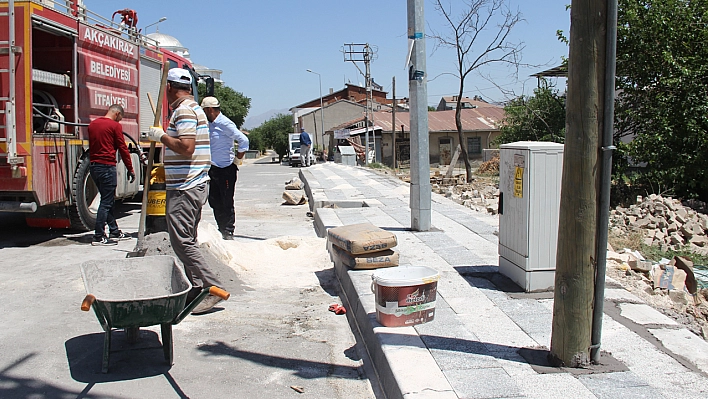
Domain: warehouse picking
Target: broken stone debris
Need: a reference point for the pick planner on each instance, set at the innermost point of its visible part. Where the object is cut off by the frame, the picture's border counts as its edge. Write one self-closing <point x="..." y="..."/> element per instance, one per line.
<point x="664" y="222"/>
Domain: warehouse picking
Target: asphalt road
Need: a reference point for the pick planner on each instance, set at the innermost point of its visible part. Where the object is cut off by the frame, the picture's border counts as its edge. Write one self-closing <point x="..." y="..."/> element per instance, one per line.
<point x="259" y="344"/>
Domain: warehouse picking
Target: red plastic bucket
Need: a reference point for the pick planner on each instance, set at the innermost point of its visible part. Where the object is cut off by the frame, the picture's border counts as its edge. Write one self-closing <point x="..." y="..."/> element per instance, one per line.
<point x="405" y="295"/>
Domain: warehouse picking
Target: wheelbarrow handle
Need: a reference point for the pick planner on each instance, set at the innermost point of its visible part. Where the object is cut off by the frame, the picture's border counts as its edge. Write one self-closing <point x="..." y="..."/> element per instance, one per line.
<point x="216" y="291"/>
<point x="87" y="302"/>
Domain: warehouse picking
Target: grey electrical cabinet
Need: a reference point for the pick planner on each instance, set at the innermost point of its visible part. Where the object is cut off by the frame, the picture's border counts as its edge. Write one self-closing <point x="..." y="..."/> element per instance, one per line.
<point x="529" y="184"/>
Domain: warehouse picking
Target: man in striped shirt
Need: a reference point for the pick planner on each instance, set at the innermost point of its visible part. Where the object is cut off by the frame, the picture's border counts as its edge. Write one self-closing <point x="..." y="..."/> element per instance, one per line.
<point x="187" y="161"/>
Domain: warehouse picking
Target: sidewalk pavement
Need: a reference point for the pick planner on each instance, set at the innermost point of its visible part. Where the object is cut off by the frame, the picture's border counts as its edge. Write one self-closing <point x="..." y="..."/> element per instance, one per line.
<point x="488" y="338"/>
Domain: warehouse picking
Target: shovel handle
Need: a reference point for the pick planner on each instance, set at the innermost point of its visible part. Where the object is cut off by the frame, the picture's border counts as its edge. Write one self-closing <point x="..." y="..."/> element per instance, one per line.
<point x="216" y="291"/>
<point x="88" y="301"/>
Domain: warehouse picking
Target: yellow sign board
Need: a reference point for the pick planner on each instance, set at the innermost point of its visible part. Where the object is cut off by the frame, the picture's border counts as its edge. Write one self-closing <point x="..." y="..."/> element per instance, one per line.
<point x="156" y="203"/>
<point x="519" y="182"/>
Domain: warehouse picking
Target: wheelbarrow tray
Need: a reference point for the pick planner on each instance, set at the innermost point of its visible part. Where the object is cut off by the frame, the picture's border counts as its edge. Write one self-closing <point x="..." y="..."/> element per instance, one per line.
<point x="136" y="292"/>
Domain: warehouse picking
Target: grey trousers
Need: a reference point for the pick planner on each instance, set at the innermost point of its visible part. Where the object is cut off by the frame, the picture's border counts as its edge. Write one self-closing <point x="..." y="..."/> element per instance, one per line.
<point x="305" y="155"/>
<point x="183" y="210"/>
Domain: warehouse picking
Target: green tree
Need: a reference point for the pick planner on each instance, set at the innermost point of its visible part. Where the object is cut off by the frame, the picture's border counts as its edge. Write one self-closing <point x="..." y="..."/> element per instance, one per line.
<point x="256" y="142"/>
<point x="540" y="117"/>
<point x="234" y="105"/>
<point x="274" y="133"/>
<point x="662" y="83"/>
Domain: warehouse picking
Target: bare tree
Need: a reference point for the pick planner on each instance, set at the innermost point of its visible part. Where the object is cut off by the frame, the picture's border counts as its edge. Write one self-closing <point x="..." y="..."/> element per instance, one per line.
<point x="479" y="34"/>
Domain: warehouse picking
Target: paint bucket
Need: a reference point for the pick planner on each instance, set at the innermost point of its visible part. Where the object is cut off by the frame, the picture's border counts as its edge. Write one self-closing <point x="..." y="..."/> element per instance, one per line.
<point x="405" y="295"/>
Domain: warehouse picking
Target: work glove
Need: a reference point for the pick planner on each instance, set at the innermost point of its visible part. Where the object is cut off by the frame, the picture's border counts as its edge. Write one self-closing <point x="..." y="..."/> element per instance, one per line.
<point x="155" y="133"/>
<point x="131" y="176"/>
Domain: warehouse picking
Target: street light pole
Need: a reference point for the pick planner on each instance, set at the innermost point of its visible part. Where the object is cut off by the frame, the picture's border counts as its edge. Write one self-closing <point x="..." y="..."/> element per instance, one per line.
<point x="163" y="19"/>
<point x="319" y="77"/>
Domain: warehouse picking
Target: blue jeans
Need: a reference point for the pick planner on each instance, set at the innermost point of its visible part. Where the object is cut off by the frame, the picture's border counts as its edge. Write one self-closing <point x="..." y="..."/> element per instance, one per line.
<point x="106" y="181"/>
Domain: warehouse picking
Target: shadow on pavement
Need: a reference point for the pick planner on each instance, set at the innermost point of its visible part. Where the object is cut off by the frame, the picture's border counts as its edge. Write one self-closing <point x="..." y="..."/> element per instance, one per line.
<point x="16" y="234"/>
<point x="127" y="362"/>
<point x="499" y="282"/>
<point x="303" y="368"/>
<point x="21" y="387"/>
<point x="328" y="281"/>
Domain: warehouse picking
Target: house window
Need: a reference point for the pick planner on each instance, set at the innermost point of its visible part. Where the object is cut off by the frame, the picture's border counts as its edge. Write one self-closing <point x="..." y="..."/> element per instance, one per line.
<point x="474" y="145"/>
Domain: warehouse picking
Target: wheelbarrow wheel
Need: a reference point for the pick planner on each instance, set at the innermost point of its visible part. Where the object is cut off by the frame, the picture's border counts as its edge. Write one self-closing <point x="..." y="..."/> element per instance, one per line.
<point x="167" y="342"/>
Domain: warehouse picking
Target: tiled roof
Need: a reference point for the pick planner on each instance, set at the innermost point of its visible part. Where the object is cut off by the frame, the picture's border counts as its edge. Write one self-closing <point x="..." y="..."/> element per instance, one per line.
<point x="474" y="119"/>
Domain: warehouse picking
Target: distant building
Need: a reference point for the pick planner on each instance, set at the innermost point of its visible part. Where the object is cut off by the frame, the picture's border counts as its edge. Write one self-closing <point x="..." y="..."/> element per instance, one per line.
<point x="480" y="127"/>
<point x="214" y="73"/>
<point x="354" y="99"/>
<point x="172" y="44"/>
<point x="450" y="103"/>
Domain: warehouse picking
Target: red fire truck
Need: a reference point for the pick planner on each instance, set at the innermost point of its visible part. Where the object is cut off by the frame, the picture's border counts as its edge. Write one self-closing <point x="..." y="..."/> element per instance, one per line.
<point x="61" y="66"/>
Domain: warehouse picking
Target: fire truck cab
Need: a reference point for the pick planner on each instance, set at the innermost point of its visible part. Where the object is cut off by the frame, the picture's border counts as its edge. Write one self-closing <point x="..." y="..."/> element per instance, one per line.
<point x="61" y="66"/>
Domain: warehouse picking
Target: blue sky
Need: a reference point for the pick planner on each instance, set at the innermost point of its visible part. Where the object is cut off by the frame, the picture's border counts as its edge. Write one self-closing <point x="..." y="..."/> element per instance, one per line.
<point x="265" y="47"/>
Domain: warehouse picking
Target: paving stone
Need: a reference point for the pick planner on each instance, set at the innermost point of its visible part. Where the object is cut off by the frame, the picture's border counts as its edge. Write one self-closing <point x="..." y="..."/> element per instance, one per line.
<point x="552" y="386"/>
<point x="644" y="314"/>
<point x="483" y="383"/>
<point x="459" y="256"/>
<point x="625" y="385"/>
<point x="621" y="295"/>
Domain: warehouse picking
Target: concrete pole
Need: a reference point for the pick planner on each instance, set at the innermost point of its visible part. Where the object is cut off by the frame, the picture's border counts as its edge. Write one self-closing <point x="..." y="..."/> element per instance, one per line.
<point x="417" y="88"/>
<point x="367" y="83"/>
<point x="393" y="124"/>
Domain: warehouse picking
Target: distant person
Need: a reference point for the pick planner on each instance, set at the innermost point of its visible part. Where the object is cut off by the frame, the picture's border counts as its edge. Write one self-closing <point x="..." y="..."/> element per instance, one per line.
<point x="105" y="138"/>
<point x="223" y="172"/>
<point x="186" y="160"/>
<point x="305" y="144"/>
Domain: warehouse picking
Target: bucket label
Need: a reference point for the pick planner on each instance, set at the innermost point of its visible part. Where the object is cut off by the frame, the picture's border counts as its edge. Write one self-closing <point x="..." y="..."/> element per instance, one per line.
<point x="405" y="306"/>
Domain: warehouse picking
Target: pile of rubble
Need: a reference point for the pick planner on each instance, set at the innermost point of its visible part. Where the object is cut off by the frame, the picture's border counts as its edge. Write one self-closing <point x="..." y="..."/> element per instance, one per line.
<point x="489" y="167"/>
<point x="664" y="222"/>
<point x="671" y="286"/>
<point x="478" y="196"/>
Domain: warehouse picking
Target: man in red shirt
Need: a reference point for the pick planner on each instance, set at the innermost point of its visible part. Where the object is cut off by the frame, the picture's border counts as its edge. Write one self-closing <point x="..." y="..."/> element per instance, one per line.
<point x="105" y="137"/>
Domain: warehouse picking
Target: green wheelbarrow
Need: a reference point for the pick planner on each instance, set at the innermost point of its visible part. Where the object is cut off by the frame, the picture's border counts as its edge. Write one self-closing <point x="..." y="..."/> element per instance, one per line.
<point x="139" y="292"/>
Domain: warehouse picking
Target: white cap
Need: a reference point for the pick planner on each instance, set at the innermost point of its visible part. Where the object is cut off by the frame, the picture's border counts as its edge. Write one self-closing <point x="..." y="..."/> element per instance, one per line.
<point x="210" y="102"/>
<point x="179" y="75"/>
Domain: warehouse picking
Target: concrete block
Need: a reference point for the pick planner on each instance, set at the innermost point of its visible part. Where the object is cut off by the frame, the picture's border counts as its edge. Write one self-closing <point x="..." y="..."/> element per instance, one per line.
<point x="684" y="343"/>
<point x="644" y="314"/>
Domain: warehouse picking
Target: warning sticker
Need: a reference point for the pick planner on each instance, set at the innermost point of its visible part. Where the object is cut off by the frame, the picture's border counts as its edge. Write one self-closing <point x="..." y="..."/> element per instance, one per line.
<point x="519" y="182"/>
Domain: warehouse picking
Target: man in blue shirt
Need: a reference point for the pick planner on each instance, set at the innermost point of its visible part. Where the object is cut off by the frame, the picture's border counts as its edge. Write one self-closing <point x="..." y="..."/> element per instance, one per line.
<point x="305" y="143"/>
<point x="223" y="172"/>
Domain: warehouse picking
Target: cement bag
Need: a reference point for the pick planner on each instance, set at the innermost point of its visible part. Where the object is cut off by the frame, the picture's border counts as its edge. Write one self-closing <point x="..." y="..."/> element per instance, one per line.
<point x="294" y="198"/>
<point x="294" y="184"/>
<point x="372" y="260"/>
<point x="361" y="238"/>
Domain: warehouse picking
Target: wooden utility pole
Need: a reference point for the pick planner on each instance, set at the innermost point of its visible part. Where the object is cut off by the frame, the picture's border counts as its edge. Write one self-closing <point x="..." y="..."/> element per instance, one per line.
<point x="575" y="260"/>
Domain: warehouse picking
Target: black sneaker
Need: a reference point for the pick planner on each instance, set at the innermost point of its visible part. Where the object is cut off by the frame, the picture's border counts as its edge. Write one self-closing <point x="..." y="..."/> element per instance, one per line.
<point x="227" y="236"/>
<point x="119" y="235"/>
<point x="103" y="241"/>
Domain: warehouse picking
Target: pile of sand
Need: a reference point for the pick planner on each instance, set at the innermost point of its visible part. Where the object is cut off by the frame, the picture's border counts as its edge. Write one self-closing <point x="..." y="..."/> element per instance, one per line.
<point x="287" y="261"/>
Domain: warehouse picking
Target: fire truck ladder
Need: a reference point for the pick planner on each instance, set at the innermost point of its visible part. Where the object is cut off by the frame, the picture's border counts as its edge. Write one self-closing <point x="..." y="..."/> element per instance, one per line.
<point x="9" y="49"/>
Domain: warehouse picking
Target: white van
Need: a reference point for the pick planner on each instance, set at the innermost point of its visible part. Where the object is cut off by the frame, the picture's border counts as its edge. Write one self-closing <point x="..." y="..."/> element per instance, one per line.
<point x="294" y="150"/>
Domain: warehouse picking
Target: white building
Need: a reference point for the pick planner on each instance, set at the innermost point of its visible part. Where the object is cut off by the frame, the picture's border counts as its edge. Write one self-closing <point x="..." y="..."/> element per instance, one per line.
<point x="172" y="44"/>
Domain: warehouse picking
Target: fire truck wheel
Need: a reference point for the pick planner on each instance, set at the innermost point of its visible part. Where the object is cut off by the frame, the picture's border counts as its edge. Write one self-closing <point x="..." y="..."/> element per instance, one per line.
<point x="85" y="198"/>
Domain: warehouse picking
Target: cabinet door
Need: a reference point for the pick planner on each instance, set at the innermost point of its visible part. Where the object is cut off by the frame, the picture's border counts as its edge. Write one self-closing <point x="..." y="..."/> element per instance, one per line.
<point x="513" y="184"/>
